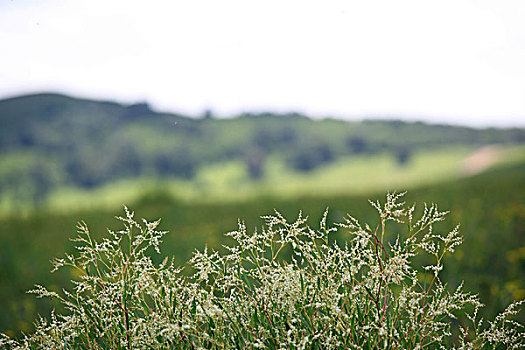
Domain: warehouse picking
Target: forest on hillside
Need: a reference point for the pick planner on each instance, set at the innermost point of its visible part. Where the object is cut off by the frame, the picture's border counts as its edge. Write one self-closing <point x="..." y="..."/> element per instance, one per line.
<point x="50" y="140"/>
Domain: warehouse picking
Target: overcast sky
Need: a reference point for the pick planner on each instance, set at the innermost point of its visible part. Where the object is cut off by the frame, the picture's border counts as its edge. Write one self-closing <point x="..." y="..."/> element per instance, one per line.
<point x="460" y="62"/>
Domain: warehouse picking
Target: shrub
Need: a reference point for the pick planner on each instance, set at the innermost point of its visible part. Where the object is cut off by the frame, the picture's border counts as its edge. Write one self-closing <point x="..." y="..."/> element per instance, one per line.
<point x="285" y="286"/>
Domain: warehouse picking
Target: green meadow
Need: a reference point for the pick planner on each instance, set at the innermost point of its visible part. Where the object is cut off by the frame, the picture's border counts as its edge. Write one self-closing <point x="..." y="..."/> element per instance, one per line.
<point x="64" y="159"/>
<point x="230" y="182"/>
<point x="489" y="205"/>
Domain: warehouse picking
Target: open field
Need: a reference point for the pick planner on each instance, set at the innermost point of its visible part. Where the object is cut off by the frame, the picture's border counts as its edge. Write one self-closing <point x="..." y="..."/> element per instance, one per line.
<point x="490" y="207"/>
<point x="229" y="182"/>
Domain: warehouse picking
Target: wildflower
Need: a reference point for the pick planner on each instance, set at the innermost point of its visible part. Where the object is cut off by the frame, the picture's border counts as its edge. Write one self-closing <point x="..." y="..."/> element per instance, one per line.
<point x="283" y="286"/>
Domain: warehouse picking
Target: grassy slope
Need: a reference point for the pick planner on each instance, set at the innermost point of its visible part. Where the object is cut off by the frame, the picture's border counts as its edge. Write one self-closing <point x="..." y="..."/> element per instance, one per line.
<point x="490" y="207"/>
<point x="49" y="141"/>
<point x="228" y="181"/>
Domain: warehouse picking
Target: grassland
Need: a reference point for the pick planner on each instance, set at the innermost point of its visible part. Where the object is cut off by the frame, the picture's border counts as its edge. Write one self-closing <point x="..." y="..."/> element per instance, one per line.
<point x="229" y="181"/>
<point x="490" y="206"/>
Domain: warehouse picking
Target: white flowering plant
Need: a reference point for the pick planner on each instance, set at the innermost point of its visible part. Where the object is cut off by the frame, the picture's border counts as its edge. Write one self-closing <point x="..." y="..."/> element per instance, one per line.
<point x="286" y="286"/>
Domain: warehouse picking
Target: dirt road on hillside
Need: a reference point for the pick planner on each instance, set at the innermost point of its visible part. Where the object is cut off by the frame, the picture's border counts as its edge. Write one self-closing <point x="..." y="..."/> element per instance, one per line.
<point x="481" y="160"/>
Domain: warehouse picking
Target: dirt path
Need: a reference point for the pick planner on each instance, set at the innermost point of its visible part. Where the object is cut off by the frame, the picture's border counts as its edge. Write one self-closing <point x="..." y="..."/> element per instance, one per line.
<point x="481" y="159"/>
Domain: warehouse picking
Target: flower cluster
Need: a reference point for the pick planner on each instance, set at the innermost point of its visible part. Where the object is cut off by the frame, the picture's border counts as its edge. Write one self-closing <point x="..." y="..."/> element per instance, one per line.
<point x="286" y="286"/>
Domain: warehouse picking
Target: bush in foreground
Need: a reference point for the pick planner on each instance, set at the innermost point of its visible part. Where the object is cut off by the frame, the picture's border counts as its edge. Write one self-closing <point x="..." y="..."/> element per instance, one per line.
<point x="286" y="286"/>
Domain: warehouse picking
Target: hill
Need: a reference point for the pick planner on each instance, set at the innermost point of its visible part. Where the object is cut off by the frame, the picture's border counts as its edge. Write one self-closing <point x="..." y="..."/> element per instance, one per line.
<point x="48" y="141"/>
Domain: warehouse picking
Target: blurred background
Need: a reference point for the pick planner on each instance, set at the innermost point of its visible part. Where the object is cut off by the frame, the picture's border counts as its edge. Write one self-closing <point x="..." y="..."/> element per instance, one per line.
<point x="204" y="112"/>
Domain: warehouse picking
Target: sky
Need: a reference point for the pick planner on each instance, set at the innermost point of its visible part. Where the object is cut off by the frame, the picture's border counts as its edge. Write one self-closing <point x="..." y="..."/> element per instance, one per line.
<point x="454" y="62"/>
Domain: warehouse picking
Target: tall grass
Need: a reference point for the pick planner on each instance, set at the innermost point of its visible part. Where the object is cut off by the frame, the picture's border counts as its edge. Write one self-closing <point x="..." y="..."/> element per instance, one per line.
<point x="286" y="286"/>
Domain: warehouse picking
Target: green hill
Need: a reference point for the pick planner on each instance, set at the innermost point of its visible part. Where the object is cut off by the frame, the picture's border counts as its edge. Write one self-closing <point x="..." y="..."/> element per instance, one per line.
<point x="51" y="141"/>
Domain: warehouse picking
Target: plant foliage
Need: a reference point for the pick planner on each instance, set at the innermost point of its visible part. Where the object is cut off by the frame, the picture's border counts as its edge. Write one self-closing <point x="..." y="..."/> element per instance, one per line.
<point x="286" y="286"/>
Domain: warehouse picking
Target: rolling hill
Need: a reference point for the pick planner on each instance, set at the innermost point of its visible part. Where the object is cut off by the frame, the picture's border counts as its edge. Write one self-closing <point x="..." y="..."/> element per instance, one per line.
<point x="51" y="141"/>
